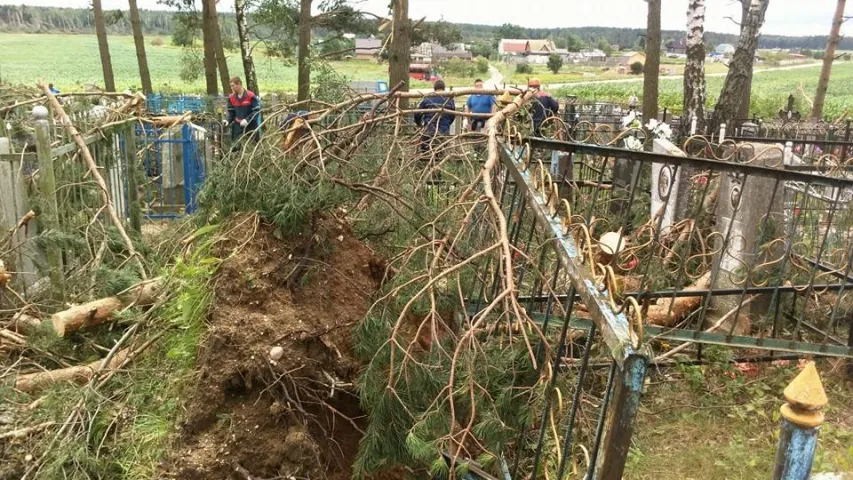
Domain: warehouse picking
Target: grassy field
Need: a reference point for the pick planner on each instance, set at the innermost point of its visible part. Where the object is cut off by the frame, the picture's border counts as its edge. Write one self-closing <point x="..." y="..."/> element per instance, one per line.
<point x="582" y="73"/>
<point x="70" y="61"/>
<point x="770" y="90"/>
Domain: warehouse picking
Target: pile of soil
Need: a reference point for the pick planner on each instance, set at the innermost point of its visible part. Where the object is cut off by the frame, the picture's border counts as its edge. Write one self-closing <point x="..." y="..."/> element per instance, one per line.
<point x="290" y="416"/>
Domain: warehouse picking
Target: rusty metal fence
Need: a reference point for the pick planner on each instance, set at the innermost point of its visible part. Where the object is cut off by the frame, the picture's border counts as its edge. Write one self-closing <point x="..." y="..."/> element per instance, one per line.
<point x="627" y="258"/>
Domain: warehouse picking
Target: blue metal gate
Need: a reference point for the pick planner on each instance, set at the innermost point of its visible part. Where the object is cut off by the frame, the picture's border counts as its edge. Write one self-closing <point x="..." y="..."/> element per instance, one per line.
<point x="173" y="169"/>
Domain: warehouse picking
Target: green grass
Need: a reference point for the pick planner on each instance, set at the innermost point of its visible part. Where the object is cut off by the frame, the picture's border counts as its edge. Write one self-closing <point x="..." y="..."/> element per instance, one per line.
<point x="581" y="73"/>
<point x="698" y="423"/>
<point x="770" y="90"/>
<point x="70" y="61"/>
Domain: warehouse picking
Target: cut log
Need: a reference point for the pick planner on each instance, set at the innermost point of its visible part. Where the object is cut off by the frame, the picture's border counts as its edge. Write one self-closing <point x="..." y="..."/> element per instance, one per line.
<point x="23" y="323"/>
<point x="34" y="382"/>
<point x="102" y="310"/>
<point x="668" y="311"/>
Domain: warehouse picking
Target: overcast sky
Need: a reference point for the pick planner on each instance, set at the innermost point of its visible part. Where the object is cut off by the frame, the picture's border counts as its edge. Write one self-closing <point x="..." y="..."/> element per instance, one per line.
<point x="784" y="17"/>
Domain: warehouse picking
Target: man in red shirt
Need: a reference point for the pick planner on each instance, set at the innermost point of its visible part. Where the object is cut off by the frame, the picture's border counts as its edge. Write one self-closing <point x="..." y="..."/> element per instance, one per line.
<point x="244" y="109"/>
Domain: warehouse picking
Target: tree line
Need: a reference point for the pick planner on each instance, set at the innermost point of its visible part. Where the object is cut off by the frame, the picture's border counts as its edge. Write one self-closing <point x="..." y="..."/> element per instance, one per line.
<point x="28" y="19"/>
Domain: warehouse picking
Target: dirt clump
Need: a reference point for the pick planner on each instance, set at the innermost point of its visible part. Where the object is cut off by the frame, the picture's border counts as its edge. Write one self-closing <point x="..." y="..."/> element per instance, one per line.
<point x="274" y="390"/>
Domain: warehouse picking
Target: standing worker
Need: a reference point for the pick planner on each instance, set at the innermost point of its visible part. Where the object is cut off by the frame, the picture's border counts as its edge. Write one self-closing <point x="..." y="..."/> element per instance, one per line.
<point x="543" y="106"/>
<point x="480" y="104"/>
<point x="244" y="110"/>
<point x="434" y="123"/>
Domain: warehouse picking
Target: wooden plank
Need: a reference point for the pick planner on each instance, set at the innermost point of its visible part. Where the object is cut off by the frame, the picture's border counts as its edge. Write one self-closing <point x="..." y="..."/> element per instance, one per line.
<point x="17" y="157"/>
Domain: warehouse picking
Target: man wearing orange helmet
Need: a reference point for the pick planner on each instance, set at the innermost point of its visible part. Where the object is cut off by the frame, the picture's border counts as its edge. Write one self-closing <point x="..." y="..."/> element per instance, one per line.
<point x="543" y="106"/>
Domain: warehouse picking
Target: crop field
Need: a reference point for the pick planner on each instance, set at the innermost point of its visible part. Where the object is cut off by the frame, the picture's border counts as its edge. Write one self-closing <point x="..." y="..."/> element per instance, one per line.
<point x="770" y="90"/>
<point x="70" y="61"/>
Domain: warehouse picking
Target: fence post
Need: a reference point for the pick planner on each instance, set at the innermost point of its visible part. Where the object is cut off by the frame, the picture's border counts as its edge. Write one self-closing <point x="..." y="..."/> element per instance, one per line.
<point x="801" y="421"/>
<point x="619" y="426"/>
<point x="722" y="132"/>
<point x="130" y="150"/>
<point x="48" y="216"/>
<point x="846" y="139"/>
<point x="664" y="115"/>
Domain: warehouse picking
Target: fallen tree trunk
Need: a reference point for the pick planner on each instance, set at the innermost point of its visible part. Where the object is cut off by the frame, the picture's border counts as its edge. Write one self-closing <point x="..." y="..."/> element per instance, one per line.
<point x="668" y="311"/>
<point x="80" y="374"/>
<point x="102" y="310"/>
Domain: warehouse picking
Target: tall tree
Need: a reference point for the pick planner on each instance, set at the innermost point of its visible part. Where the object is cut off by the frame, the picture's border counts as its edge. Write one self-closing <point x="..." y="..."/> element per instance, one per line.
<point x="139" y="41"/>
<point x="103" y="46"/>
<point x="208" y="23"/>
<point x="694" y="69"/>
<point x="245" y="48"/>
<point x="400" y="49"/>
<point x="303" y="51"/>
<point x="743" y="108"/>
<point x="218" y="49"/>
<point x="652" y="67"/>
<point x="828" y="58"/>
<point x="740" y="68"/>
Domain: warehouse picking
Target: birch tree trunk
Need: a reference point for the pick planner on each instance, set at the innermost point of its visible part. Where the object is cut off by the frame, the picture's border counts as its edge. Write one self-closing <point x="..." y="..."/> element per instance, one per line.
<point x="207" y="25"/>
<point x="245" y="48"/>
<point x="694" y="69"/>
<point x="828" y="58"/>
<point x="303" y="53"/>
<point x="401" y="44"/>
<point x="139" y="41"/>
<point x="740" y="68"/>
<point x="103" y="46"/>
<point x="652" y="67"/>
<point x="743" y="110"/>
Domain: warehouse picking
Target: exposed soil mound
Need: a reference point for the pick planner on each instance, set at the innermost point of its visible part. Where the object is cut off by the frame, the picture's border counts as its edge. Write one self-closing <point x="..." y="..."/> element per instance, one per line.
<point x="274" y="392"/>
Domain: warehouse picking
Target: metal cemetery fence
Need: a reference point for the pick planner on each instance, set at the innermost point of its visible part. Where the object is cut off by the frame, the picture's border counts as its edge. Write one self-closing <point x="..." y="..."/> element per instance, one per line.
<point x="621" y="251"/>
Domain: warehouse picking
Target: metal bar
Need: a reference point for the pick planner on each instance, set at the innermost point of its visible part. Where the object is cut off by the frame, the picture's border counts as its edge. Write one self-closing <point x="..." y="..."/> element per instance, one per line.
<point x="713" y="292"/>
<point x="723" y="339"/>
<point x="619" y="425"/>
<point x="613" y="327"/>
<point x="830" y="143"/>
<point x="700" y="163"/>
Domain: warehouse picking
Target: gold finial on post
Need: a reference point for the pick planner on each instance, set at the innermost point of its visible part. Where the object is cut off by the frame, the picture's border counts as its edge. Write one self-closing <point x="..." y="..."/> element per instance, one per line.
<point x="805" y="398"/>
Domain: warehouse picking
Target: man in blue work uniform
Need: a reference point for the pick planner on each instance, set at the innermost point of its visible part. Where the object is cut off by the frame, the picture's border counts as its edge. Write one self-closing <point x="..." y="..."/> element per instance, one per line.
<point x="481" y="104"/>
<point x="244" y="108"/>
<point x="435" y="124"/>
<point x="542" y="106"/>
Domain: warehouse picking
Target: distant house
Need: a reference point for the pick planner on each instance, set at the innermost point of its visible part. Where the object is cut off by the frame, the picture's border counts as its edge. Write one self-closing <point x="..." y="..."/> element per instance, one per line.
<point x="433" y="53"/>
<point x="540" y="47"/>
<point x="593" y="55"/>
<point x="677" y="47"/>
<point x="367" y="48"/>
<point x="440" y="53"/>
<point x="725" y="49"/>
<point x="512" y="47"/>
<point x="626" y="59"/>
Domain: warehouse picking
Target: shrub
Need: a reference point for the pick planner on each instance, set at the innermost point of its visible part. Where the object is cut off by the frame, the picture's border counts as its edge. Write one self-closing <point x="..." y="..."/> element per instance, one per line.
<point x="157" y="42"/>
<point x="458" y="68"/>
<point x="637" y="68"/>
<point x="523" y="68"/>
<point x="482" y="65"/>
<point x="555" y="63"/>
